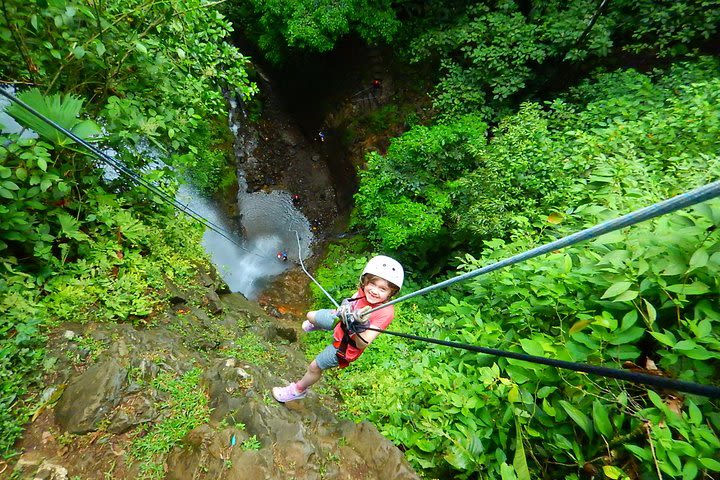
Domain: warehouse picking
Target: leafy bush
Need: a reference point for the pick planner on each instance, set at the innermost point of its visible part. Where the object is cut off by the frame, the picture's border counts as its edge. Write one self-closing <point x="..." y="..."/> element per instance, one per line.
<point x="154" y="72"/>
<point x="280" y="28"/>
<point x="488" y="54"/>
<point x="444" y="186"/>
<point x="403" y="197"/>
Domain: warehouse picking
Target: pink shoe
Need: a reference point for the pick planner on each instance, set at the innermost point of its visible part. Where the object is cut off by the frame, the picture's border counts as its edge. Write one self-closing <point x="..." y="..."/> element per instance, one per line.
<point x="309" y="327"/>
<point x="287" y="394"/>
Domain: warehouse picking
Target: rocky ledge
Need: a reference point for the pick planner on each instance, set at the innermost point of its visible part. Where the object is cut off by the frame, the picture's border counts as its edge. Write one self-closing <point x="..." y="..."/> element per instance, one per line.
<point x="187" y="396"/>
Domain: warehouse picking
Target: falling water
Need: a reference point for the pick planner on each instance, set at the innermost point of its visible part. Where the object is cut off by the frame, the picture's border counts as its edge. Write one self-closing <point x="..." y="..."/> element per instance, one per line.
<point x="269" y="221"/>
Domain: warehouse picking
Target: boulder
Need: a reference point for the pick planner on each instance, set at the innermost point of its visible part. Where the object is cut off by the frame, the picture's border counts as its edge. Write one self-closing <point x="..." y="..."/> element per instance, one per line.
<point x="379" y="454"/>
<point x="90" y="397"/>
<point x="133" y="411"/>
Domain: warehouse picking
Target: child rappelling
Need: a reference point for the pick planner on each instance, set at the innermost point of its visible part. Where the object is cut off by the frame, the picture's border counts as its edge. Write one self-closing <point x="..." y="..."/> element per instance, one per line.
<point x="381" y="278"/>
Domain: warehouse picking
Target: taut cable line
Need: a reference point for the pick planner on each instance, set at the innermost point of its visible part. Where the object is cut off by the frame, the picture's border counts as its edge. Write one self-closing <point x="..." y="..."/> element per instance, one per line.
<point x="128" y="172"/>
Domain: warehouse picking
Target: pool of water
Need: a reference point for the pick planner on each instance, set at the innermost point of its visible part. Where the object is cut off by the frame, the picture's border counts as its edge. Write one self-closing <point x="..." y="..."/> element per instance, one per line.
<point x="269" y="221"/>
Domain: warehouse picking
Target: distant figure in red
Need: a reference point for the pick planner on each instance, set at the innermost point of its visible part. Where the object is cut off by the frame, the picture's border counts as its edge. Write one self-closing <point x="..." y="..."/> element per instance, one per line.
<point x="296" y="199"/>
<point x="282" y="256"/>
<point x="376" y="88"/>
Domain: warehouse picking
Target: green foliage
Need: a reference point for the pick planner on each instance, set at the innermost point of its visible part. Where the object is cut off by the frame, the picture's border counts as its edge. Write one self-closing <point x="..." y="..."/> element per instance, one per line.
<point x="153" y="70"/>
<point x="63" y="111"/>
<point x="520" y="176"/>
<point x="442" y="186"/>
<point x="670" y="27"/>
<point x="251" y="443"/>
<point x="21" y="352"/>
<point x="250" y="348"/>
<point x="404" y="196"/>
<point x="491" y="52"/>
<point x="281" y="27"/>
<point x="599" y="304"/>
<point x="645" y="295"/>
<point x="185" y="407"/>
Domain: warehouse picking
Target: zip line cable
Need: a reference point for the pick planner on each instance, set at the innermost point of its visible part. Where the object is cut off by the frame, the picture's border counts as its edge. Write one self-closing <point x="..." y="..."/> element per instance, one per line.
<point x="684" y="200"/>
<point x="131" y="174"/>
<point x="634" y="377"/>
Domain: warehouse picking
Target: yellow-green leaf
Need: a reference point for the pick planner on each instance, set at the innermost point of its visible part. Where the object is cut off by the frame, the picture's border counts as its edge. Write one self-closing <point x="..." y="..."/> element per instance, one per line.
<point x="555" y="218"/>
<point x="578" y="326"/>
<point x="616" y="289"/>
<point x="626" y="296"/>
<point x="652" y="313"/>
<point x="613" y="473"/>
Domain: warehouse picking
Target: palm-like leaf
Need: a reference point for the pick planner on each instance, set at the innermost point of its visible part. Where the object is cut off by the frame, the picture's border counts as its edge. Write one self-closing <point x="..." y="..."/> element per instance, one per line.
<point x="62" y="110"/>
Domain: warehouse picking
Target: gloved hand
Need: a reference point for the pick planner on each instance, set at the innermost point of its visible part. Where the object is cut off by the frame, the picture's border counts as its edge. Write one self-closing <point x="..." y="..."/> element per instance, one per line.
<point x="344" y="311"/>
<point x="356" y="322"/>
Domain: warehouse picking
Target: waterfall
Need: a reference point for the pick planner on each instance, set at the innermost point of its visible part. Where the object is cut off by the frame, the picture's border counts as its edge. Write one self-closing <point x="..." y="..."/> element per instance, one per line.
<point x="268" y="222"/>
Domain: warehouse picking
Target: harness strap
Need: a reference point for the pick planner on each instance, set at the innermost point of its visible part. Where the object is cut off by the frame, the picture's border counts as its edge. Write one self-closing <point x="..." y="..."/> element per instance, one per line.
<point x="343" y="344"/>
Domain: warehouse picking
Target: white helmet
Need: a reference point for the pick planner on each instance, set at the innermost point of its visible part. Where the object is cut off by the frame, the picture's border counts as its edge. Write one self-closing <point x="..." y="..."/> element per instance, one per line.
<point x="386" y="268"/>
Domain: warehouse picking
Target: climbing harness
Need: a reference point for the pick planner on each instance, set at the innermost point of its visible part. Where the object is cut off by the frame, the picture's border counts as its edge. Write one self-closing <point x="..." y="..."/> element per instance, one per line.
<point x="132" y="175"/>
<point x="349" y="320"/>
<point x="684" y="200"/>
<point x="342" y="344"/>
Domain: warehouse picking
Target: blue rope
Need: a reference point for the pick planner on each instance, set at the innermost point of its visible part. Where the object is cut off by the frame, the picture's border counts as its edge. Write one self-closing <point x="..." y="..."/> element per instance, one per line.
<point x="709" y="391"/>
<point x="684" y="200"/>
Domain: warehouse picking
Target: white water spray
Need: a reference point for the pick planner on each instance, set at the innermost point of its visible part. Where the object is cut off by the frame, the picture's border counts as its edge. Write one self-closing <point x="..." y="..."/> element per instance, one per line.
<point x="269" y="220"/>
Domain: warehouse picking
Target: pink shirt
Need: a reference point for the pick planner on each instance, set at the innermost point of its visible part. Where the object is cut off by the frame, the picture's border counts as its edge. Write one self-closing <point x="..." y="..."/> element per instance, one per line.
<point x="380" y="320"/>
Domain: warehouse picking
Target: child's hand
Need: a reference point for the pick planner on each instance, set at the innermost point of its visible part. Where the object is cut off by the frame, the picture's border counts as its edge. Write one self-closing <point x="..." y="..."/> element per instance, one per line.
<point x="359" y="315"/>
<point x="357" y="323"/>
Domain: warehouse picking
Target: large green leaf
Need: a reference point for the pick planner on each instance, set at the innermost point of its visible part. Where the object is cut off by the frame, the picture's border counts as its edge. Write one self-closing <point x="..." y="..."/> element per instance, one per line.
<point x="62" y="110"/>
<point x="602" y="419"/>
<point x="578" y="417"/>
<point x="616" y="289"/>
<point x="519" y="460"/>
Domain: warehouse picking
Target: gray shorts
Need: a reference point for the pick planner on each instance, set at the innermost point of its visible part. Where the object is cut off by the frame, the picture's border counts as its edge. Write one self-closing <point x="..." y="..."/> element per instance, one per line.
<point x="327" y="358"/>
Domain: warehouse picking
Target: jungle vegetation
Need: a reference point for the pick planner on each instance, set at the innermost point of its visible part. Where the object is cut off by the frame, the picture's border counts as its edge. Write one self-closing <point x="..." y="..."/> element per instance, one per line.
<point x="547" y="117"/>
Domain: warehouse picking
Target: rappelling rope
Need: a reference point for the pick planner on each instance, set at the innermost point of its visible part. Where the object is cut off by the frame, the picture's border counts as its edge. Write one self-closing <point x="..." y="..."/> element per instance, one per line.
<point x="128" y="172"/>
<point x="300" y="257"/>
